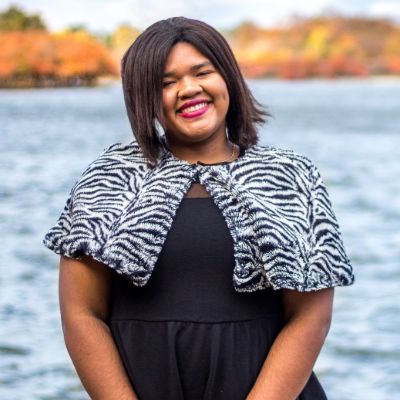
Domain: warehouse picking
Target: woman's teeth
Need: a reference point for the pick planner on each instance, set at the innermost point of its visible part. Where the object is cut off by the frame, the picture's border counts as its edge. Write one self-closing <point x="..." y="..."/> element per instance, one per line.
<point x="194" y="108"/>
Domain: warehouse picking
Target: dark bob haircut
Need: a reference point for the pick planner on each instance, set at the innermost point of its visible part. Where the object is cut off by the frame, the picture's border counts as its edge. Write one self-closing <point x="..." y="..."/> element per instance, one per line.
<point x="142" y="70"/>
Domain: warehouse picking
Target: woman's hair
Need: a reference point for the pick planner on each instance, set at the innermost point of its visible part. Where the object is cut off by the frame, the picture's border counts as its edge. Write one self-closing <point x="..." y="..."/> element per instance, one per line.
<point x="142" y="70"/>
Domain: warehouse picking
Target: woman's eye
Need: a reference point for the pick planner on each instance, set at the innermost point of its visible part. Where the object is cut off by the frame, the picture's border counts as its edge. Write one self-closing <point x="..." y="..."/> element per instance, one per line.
<point x="167" y="83"/>
<point x="204" y="73"/>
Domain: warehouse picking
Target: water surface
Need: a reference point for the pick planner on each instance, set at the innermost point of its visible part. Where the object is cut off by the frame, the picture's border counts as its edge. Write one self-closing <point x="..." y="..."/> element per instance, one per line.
<point x="350" y="129"/>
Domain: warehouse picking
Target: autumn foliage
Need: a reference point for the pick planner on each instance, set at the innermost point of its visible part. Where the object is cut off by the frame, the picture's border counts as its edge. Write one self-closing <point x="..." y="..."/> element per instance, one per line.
<point x="329" y="46"/>
<point x="39" y="58"/>
<point x="325" y="46"/>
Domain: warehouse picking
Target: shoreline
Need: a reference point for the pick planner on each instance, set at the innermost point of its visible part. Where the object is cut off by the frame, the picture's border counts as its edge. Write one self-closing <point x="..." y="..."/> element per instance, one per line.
<point x="107" y="80"/>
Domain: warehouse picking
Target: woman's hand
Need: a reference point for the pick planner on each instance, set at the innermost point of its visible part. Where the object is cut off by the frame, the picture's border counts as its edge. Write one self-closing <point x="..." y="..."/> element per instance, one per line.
<point x="289" y="363"/>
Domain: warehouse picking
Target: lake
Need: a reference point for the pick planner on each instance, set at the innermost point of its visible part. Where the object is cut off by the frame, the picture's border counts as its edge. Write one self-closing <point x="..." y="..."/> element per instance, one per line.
<point x="349" y="128"/>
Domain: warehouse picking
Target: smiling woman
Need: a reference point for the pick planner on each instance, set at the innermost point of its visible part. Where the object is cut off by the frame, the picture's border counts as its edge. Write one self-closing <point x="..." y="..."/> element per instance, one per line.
<point x="187" y="62"/>
<point x="196" y="264"/>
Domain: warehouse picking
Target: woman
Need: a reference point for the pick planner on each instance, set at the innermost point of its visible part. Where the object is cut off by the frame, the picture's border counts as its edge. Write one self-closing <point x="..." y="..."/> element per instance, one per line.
<point x="196" y="264"/>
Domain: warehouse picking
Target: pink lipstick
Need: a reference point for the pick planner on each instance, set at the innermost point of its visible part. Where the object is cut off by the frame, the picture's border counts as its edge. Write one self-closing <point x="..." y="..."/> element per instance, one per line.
<point x="196" y="113"/>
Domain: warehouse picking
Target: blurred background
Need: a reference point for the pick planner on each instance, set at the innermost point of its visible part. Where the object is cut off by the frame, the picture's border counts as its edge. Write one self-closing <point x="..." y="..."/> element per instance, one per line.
<point x="329" y="73"/>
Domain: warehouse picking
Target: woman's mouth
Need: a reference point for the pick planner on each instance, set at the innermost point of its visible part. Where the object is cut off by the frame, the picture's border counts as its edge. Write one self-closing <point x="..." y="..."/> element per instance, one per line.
<point x="194" y="111"/>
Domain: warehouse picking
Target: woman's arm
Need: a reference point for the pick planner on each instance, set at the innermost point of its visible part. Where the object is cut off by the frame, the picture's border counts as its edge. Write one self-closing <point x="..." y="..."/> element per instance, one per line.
<point x="289" y="363"/>
<point x="84" y="290"/>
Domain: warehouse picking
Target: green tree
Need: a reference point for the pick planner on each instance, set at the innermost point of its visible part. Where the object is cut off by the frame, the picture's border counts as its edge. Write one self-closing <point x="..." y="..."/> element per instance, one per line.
<point x="76" y="28"/>
<point x="15" y="19"/>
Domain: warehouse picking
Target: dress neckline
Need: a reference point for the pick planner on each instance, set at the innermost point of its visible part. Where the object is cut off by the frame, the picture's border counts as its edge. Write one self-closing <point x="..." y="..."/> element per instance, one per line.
<point x="241" y="153"/>
<point x="196" y="198"/>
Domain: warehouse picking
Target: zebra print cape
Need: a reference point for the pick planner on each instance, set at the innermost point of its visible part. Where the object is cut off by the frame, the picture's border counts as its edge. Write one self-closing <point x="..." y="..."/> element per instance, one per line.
<point x="274" y="202"/>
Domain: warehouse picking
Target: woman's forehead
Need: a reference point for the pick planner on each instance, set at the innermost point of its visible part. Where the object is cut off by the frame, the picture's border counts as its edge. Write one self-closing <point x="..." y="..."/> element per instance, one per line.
<point x="185" y="54"/>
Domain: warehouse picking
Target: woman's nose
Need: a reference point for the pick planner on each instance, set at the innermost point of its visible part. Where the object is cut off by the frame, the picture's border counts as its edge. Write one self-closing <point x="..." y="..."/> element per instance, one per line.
<point x="188" y="87"/>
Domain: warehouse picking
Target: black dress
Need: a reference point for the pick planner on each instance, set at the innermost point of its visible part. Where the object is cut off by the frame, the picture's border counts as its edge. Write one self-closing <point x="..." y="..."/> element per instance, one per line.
<point x="187" y="334"/>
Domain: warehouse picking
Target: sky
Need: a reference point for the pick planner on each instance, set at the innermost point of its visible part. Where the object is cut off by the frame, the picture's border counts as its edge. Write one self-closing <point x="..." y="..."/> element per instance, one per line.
<point x="105" y="15"/>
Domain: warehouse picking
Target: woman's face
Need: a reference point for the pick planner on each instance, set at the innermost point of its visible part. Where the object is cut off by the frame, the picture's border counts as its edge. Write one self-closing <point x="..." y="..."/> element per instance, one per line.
<point x="195" y="96"/>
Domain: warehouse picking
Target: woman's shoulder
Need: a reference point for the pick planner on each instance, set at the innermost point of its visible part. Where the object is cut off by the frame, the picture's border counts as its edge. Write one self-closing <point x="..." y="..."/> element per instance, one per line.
<point x="283" y="157"/>
<point x="121" y="152"/>
<point x="118" y="155"/>
<point x="110" y="166"/>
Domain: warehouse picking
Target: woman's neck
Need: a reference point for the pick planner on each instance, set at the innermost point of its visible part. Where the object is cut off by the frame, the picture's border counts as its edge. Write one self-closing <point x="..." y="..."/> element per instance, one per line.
<point x="208" y="153"/>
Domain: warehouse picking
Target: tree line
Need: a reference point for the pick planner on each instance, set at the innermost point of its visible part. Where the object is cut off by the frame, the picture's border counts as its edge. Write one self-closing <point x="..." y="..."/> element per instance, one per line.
<point x="326" y="46"/>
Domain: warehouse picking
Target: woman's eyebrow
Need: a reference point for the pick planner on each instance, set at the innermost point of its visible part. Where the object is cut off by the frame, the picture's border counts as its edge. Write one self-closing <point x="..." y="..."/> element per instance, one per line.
<point x="192" y="68"/>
